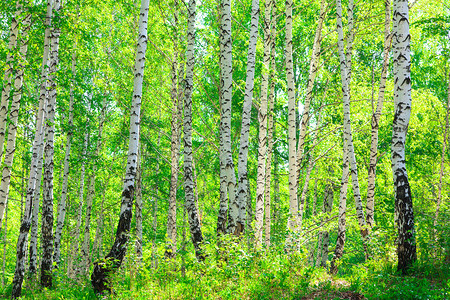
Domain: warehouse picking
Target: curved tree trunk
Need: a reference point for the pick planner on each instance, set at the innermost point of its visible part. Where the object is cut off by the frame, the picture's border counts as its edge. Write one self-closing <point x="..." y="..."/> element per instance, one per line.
<point x="370" y="205"/>
<point x="112" y="261"/>
<point x="242" y="184"/>
<point x="406" y="243"/>
<point x="313" y="68"/>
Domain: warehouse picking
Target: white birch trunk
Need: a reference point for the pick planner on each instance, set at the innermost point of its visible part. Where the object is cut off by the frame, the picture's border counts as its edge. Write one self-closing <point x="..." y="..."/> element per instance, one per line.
<point x="14" y="113"/>
<point x="293" y="220"/>
<point x="138" y="244"/>
<point x="113" y="260"/>
<point x="313" y="68"/>
<point x="228" y="175"/>
<point x="406" y="244"/>
<point x="175" y="157"/>
<point x="241" y="192"/>
<point x="345" y="63"/>
<point x="370" y="205"/>
<point x="49" y="129"/>
<point x="6" y="91"/>
<point x="262" y="119"/>
<point x="194" y="225"/>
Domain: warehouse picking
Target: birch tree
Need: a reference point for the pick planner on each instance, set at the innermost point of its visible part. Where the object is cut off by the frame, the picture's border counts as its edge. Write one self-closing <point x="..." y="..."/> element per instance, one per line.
<point x="14" y="110"/>
<point x="8" y="77"/>
<point x="313" y="68"/>
<point x="112" y="261"/>
<point x="227" y="174"/>
<point x="191" y="208"/>
<point x="370" y="205"/>
<point x="138" y="244"/>
<point x="49" y="129"/>
<point x="34" y="183"/>
<point x="406" y="244"/>
<point x="262" y="119"/>
<point x="293" y="221"/>
<point x="175" y="147"/>
<point x="345" y="66"/>
<point x="242" y="184"/>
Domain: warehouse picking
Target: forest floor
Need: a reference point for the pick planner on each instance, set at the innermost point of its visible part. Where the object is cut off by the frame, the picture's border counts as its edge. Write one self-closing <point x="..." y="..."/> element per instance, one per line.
<point x="253" y="276"/>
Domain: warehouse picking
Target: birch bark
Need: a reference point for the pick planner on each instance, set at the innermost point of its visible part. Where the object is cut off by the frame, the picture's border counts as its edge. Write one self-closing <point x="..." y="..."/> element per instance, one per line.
<point x="228" y="175"/>
<point x="406" y="244"/>
<point x="175" y="153"/>
<point x="6" y="91"/>
<point x="313" y="68"/>
<point x="293" y="220"/>
<point x="14" y="112"/>
<point x="103" y="269"/>
<point x="262" y="119"/>
<point x="34" y="182"/>
<point x="345" y="62"/>
<point x="138" y="245"/>
<point x="194" y="225"/>
<point x="49" y="129"/>
<point x="270" y="125"/>
<point x="370" y="205"/>
<point x="245" y="127"/>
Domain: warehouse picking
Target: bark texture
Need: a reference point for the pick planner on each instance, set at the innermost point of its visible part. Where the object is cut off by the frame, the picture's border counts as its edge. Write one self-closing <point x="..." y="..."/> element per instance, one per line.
<point x="262" y="119"/>
<point x="49" y="129"/>
<point x="406" y="243"/>
<point x="242" y="183"/>
<point x="370" y="205"/>
<point x="113" y="260"/>
<point x="191" y="208"/>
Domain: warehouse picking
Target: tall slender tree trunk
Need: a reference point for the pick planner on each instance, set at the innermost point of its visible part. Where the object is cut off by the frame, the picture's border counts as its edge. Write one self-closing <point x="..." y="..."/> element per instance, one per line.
<point x="6" y="91"/>
<point x="49" y="129"/>
<point x="138" y="244"/>
<point x="194" y="225"/>
<point x="175" y="150"/>
<point x="370" y="205"/>
<point x="227" y="173"/>
<point x="293" y="220"/>
<point x="65" y="184"/>
<point x="262" y="118"/>
<point x="313" y="68"/>
<point x="339" y="250"/>
<point x="270" y="135"/>
<point x="103" y="269"/>
<point x="14" y="112"/>
<point x="406" y="243"/>
<point x="34" y="182"/>
<point x="5" y="241"/>
<point x="345" y="62"/>
<point x="242" y="184"/>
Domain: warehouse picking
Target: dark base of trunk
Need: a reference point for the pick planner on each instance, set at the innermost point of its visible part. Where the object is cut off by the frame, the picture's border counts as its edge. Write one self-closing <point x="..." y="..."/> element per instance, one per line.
<point x="99" y="278"/>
